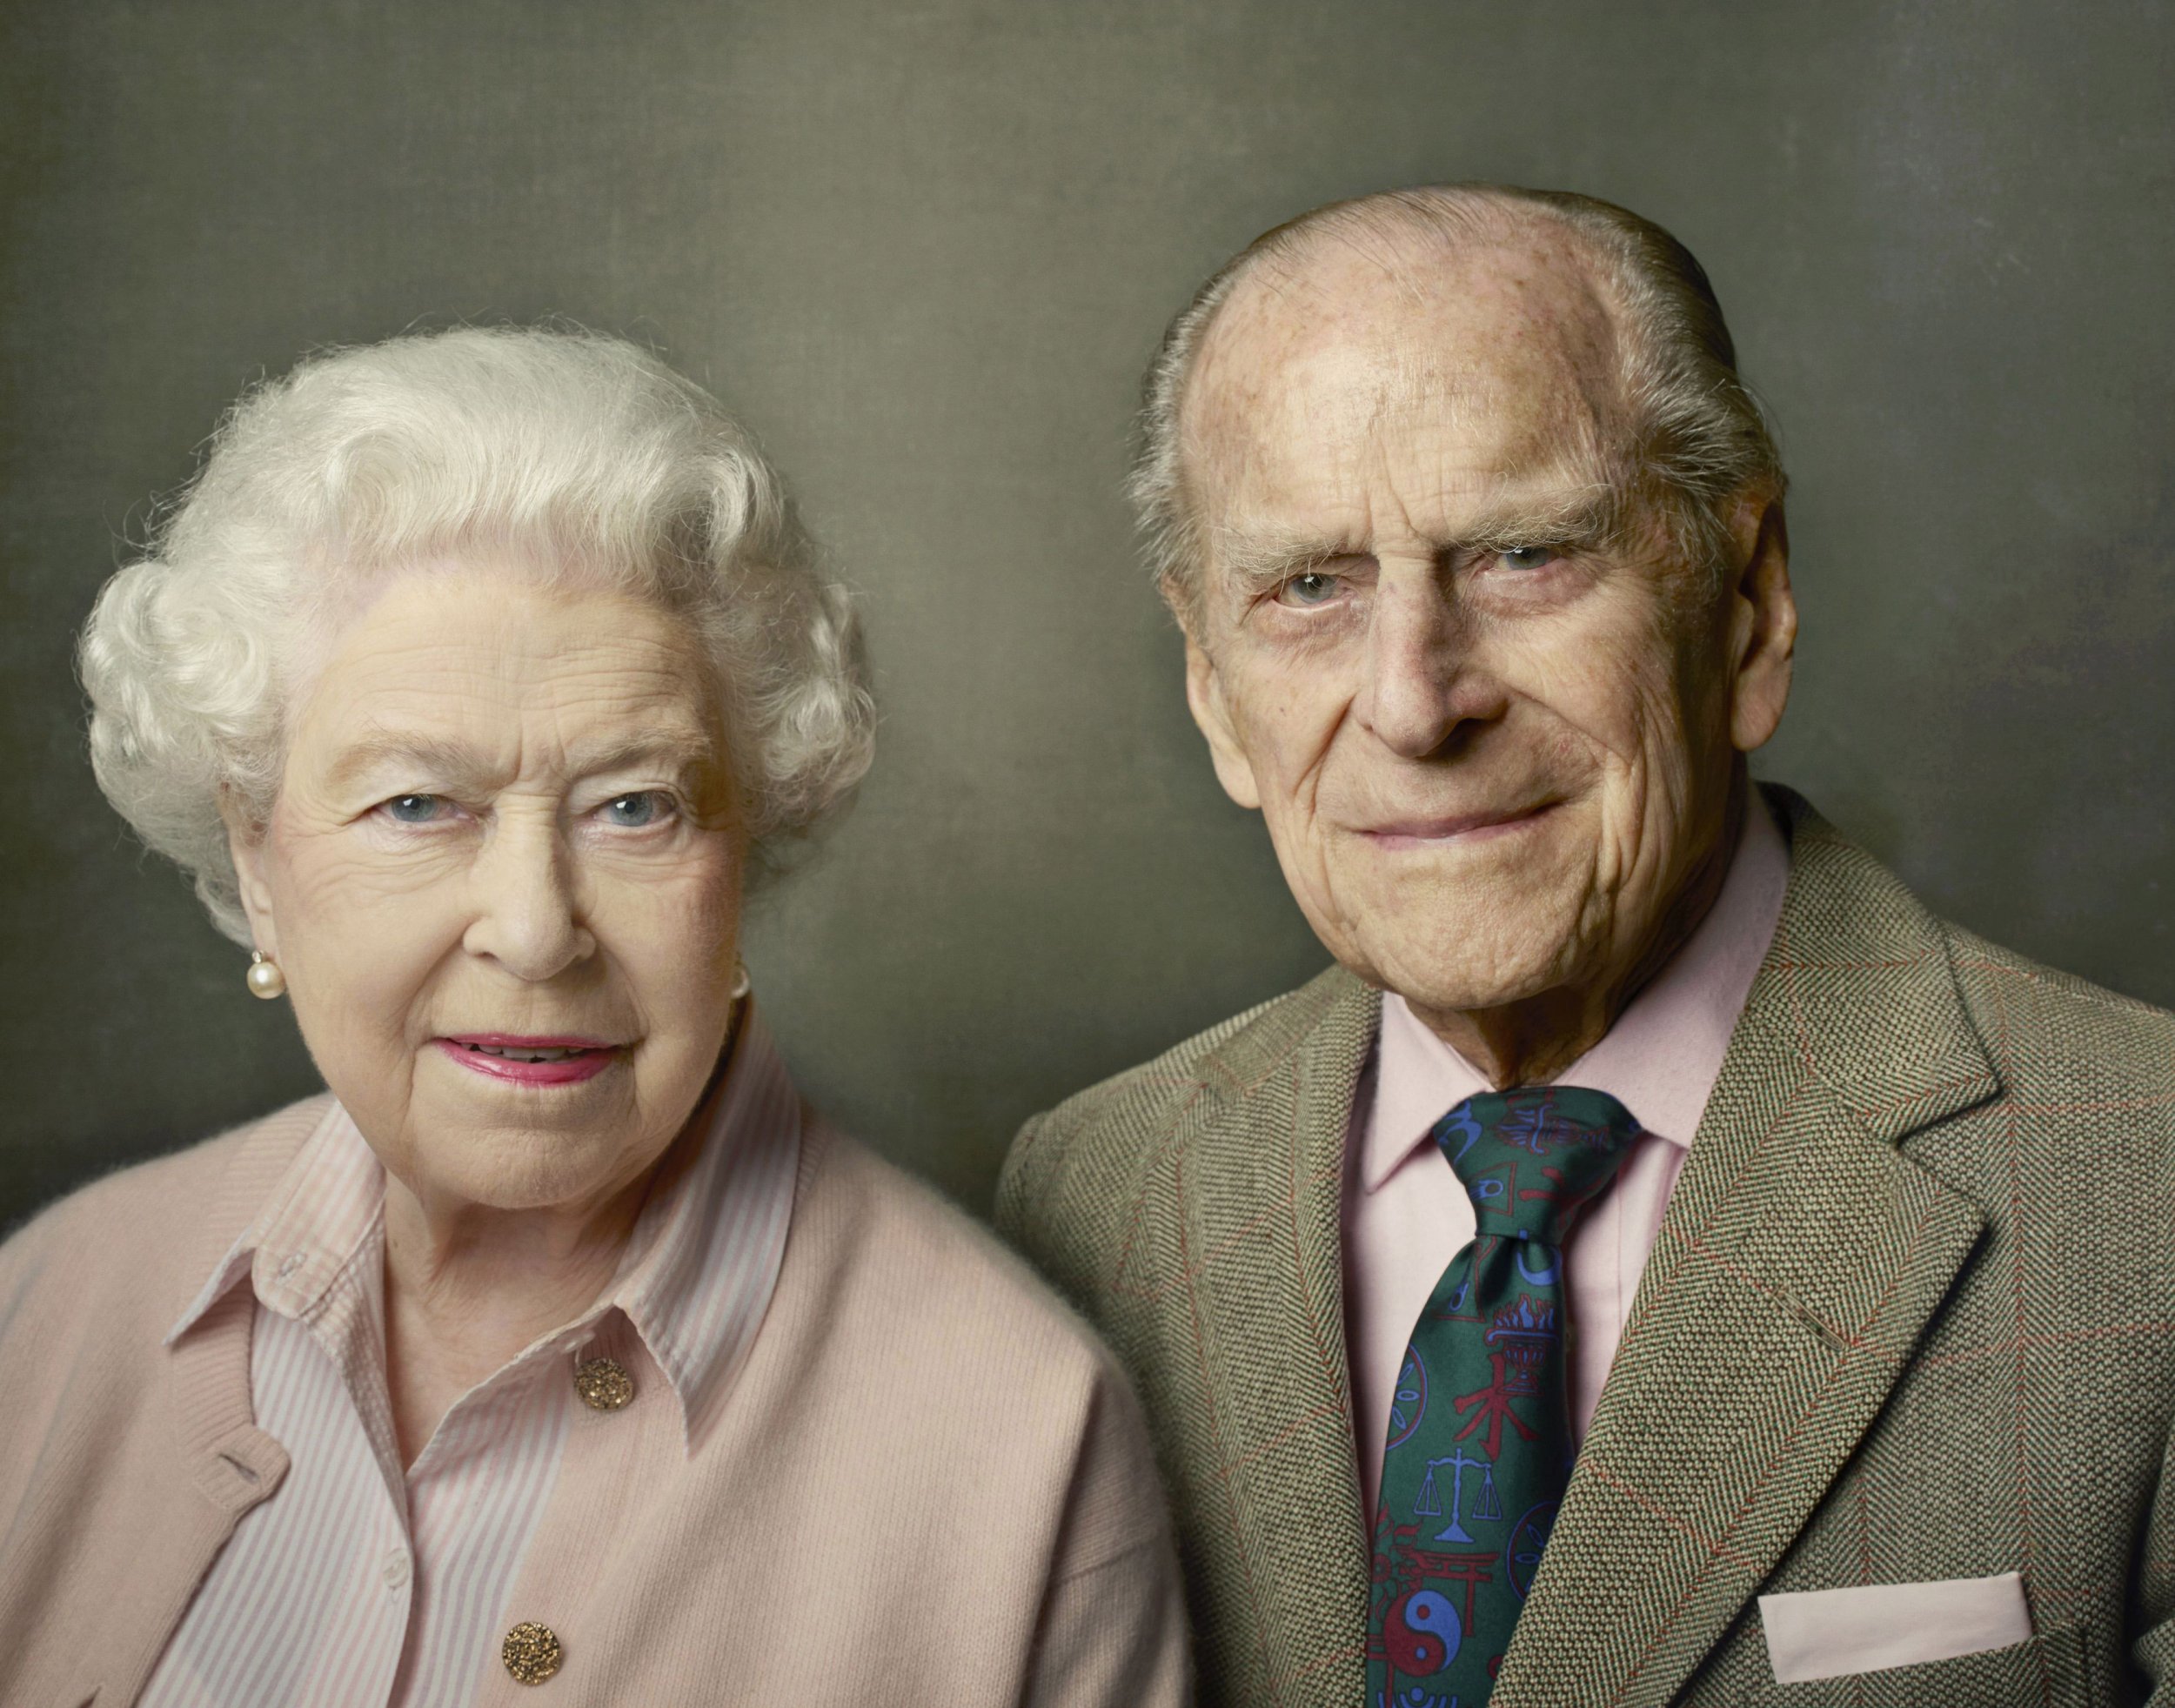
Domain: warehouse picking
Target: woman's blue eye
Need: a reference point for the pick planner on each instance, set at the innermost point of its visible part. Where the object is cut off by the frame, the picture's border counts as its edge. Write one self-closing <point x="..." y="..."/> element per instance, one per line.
<point x="1312" y="588"/>
<point x="1529" y="557"/>
<point x="414" y="808"/>
<point x="632" y="812"/>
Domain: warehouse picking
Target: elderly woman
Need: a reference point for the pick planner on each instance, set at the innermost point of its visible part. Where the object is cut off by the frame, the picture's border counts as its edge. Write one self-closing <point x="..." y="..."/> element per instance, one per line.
<point x="559" y="1345"/>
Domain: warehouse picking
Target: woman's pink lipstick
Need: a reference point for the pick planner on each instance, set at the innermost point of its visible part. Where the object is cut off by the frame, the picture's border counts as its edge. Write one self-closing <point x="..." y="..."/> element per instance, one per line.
<point x="524" y="1060"/>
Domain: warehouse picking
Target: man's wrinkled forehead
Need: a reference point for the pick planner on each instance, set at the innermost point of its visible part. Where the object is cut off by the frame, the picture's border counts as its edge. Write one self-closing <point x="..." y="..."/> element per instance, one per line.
<point x="1407" y="363"/>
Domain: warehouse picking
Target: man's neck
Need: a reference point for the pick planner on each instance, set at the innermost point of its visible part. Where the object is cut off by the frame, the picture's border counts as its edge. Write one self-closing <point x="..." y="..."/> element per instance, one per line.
<point x="1533" y="1041"/>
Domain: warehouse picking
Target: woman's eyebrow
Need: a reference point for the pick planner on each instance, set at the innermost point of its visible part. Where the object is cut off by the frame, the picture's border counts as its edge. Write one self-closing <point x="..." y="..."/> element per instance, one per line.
<point x="681" y="753"/>
<point x="433" y="756"/>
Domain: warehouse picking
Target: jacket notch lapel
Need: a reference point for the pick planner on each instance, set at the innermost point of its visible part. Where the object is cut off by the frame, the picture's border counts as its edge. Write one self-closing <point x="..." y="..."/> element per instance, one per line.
<point x="1261" y="1197"/>
<point x="1800" y="1260"/>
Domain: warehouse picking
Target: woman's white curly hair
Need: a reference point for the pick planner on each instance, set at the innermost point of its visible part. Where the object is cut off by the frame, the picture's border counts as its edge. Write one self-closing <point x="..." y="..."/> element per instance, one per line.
<point x="570" y="450"/>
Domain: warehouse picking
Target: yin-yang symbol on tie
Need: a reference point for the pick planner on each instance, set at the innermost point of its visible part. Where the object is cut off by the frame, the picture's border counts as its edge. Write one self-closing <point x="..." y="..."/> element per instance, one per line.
<point x="1421" y="1633"/>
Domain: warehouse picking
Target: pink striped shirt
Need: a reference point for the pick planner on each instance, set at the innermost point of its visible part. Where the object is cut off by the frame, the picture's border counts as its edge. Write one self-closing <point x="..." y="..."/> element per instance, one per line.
<point x="1406" y="1215"/>
<point x="359" y="1582"/>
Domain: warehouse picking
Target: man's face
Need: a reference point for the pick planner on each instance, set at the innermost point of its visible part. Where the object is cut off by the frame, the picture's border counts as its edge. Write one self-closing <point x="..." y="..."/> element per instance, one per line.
<point x="1490" y="714"/>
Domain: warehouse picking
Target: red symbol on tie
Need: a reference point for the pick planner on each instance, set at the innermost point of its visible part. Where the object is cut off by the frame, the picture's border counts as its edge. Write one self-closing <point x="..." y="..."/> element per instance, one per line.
<point x="1494" y="1402"/>
<point x="1470" y="1570"/>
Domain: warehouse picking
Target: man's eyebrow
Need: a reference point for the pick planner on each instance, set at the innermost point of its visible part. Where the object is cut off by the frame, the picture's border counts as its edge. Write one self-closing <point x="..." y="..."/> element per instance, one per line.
<point x="1587" y="515"/>
<point x="1253" y="564"/>
<point x="1583" y="517"/>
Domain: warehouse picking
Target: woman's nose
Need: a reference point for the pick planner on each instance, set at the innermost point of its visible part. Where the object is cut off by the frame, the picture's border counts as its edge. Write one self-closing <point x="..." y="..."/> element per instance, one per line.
<point x="527" y="916"/>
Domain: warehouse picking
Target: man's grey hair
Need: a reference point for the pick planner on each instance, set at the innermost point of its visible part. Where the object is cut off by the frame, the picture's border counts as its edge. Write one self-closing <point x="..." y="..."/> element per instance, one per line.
<point x="1698" y="439"/>
<point x="578" y="457"/>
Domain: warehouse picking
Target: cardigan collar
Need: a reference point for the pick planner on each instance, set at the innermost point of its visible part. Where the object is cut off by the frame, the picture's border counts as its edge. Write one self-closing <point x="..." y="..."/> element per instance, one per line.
<point x="700" y="1268"/>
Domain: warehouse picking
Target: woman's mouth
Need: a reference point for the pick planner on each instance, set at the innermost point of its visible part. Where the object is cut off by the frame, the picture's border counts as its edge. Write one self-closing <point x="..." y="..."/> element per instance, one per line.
<point x="528" y="1060"/>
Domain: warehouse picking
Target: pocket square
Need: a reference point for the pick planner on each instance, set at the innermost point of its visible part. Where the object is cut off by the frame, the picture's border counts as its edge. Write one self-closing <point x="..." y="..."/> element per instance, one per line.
<point x="1866" y="1628"/>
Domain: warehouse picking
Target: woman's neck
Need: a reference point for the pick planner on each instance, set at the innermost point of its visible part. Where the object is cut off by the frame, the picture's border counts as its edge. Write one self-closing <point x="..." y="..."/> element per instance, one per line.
<point x="468" y="1288"/>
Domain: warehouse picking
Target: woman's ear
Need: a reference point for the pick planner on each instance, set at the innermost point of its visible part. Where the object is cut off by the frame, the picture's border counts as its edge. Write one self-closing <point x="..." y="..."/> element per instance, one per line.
<point x="245" y="837"/>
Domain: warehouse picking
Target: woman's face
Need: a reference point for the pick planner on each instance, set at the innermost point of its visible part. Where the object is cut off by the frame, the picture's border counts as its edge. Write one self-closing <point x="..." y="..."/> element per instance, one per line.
<point x="503" y="880"/>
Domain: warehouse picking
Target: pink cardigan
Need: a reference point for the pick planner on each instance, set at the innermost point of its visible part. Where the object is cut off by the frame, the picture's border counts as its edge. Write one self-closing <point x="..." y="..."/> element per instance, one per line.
<point x="930" y="1486"/>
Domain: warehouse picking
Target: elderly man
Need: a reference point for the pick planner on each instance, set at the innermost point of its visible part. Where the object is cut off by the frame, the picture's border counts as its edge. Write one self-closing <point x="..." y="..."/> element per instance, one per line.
<point x="1660" y="1261"/>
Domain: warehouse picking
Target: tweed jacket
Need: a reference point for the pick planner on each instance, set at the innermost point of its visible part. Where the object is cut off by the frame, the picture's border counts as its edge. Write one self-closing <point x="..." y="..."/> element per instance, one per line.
<point x="1908" y="1318"/>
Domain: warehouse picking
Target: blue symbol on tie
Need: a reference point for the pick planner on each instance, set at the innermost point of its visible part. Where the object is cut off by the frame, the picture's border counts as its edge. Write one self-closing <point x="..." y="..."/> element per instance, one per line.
<point x="1546" y="1273"/>
<point x="1428" y="1503"/>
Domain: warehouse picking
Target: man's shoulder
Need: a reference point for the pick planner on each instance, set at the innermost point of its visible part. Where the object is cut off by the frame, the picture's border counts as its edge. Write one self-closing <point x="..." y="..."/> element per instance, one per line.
<point x="1854" y="923"/>
<point x="1093" y="1148"/>
<point x="2052" y="1033"/>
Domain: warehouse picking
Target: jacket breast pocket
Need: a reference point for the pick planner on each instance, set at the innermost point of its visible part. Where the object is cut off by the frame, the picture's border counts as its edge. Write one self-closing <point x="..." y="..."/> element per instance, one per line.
<point x="2047" y="1671"/>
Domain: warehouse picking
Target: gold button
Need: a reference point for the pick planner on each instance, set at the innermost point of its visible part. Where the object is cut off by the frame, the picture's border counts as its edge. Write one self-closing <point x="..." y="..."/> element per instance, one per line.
<point x="604" y="1384"/>
<point x="530" y="1652"/>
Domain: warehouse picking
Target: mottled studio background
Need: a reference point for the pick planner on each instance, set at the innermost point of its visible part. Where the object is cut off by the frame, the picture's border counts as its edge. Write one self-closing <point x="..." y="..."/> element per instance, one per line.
<point x="923" y="249"/>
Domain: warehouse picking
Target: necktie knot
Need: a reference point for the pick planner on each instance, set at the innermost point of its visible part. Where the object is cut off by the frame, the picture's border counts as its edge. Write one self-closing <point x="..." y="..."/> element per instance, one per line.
<point x="1531" y="1160"/>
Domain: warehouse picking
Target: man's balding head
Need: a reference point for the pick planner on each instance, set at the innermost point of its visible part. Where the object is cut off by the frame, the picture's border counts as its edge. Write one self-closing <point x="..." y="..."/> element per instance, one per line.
<point x="1619" y="299"/>
<point x="1477" y="542"/>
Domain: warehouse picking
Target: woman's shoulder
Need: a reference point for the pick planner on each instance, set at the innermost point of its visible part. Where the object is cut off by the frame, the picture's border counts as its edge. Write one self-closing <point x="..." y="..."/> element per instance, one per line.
<point x="142" y="1228"/>
<point x="917" y="1322"/>
<point x="922" y="1259"/>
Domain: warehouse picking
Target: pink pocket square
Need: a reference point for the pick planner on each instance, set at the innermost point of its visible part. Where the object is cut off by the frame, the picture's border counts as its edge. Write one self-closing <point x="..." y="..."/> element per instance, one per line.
<point x="1828" y="1633"/>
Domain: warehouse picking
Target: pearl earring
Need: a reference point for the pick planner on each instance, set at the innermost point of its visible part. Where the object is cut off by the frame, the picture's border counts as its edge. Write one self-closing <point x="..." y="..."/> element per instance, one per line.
<point x="742" y="983"/>
<point x="265" y="980"/>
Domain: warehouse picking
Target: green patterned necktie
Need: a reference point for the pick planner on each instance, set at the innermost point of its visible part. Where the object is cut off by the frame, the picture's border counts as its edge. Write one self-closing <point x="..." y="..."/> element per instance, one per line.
<point x="1479" y="1439"/>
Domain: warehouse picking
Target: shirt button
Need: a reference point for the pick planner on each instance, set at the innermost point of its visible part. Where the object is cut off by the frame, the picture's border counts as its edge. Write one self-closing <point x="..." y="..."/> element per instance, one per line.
<point x="604" y="1384"/>
<point x="530" y="1652"/>
<point x="396" y="1568"/>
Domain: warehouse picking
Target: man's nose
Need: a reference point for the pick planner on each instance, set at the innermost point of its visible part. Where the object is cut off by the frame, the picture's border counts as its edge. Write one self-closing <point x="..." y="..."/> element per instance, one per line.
<point x="527" y="916"/>
<point x="1423" y="680"/>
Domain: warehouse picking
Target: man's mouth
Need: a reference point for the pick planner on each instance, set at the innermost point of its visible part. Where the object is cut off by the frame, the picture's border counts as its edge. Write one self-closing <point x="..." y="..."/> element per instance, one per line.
<point x="1462" y="827"/>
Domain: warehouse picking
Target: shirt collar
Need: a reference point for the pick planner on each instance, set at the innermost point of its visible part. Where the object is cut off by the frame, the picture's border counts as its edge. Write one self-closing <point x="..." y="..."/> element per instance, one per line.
<point x="705" y="1254"/>
<point x="327" y="1204"/>
<point x="701" y="1265"/>
<point x="1660" y="1058"/>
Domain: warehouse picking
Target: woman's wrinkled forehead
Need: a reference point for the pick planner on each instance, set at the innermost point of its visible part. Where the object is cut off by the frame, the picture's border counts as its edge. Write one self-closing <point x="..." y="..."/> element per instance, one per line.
<point x="342" y="590"/>
<point x="501" y="667"/>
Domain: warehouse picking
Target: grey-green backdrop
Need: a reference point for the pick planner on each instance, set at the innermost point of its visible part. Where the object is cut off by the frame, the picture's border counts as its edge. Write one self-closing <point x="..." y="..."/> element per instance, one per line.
<point x="923" y="249"/>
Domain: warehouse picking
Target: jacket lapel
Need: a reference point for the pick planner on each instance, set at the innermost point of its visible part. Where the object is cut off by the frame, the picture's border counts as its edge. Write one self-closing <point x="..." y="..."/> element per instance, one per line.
<point x="1799" y="1260"/>
<point x="1259" y="1192"/>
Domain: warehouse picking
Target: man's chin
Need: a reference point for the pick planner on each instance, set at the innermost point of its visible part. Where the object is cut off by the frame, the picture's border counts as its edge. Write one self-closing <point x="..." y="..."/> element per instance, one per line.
<point x="1465" y="954"/>
<point x="1451" y="971"/>
<point x="1461" y="991"/>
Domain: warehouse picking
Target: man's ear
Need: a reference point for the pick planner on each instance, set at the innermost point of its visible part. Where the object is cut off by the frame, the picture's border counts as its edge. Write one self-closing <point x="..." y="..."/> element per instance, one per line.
<point x="1204" y="697"/>
<point x="245" y="844"/>
<point x="1762" y="623"/>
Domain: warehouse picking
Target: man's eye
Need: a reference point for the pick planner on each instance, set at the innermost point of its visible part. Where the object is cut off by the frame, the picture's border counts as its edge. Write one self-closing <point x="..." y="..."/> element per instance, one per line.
<point x="638" y="810"/>
<point x="1312" y="588"/>
<point x="1528" y="557"/>
<point x="417" y="808"/>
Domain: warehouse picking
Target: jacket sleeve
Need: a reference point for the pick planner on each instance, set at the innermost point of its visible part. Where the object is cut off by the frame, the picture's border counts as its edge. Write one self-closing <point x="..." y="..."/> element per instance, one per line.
<point x="2154" y="1649"/>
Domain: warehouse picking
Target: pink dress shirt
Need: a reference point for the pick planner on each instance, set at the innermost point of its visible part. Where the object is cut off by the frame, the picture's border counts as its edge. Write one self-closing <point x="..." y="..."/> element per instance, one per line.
<point x="1406" y="1214"/>
<point x="365" y="1583"/>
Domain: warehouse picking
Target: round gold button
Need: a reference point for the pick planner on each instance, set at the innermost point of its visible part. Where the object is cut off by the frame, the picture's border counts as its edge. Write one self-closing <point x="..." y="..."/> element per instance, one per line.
<point x="604" y="1384"/>
<point x="530" y="1652"/>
